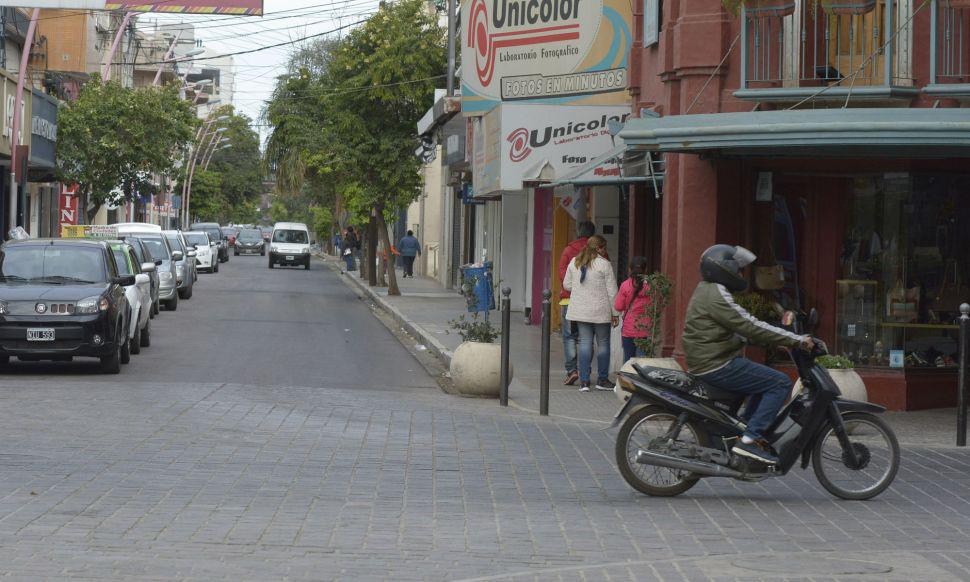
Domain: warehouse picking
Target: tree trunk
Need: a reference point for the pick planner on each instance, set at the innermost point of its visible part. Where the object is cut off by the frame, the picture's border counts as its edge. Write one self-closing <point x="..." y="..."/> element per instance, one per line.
<point x="392" y="288"/>
<point x="372" y="252"/>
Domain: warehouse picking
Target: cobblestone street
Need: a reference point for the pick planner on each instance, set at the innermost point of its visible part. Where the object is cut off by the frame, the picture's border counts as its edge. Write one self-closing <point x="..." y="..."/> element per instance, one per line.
<point x="372" y="473"/>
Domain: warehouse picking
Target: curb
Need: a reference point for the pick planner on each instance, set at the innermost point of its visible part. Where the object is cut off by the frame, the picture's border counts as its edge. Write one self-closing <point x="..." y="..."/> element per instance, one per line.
<point x="433" y="344"/>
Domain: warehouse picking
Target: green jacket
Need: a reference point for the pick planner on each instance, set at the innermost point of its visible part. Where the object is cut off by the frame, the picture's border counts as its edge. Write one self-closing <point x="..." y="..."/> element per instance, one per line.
<point x="717" y="327"/>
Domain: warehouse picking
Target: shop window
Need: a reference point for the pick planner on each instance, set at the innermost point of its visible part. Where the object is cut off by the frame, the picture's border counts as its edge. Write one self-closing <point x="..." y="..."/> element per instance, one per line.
<point x="905" y="269"/>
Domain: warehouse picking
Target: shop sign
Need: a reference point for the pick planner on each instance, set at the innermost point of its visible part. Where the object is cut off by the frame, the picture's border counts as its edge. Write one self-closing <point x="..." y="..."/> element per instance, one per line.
<point x="651" y="22"/>
<point x="67" y="208"/>
<point x="242" y="7"/>
<point x="9" y="91"/>
<point x="563" y="51"/>
<point x="540" y="143"/>
<point x="43" y="130"/>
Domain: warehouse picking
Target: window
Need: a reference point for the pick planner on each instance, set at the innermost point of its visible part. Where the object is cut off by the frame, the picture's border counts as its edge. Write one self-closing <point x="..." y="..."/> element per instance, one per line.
<point x="298" y="237"/>
<point x="156" y="247"/>
<point x="125" y="266"/>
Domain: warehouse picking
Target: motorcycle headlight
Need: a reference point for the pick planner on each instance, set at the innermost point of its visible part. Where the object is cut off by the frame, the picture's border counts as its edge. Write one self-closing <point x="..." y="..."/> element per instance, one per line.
<point x="305" y="250"/>
<point x="92" y="304"/>
<point x="166" y="276"/>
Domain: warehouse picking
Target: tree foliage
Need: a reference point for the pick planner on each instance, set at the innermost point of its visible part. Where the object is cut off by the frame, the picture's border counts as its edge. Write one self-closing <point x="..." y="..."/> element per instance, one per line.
<point x="344" y="117"/>
<point x="113" y="137"/>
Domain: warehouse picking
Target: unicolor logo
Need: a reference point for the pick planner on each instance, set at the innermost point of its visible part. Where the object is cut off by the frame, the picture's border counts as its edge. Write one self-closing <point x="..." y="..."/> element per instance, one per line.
<point x="520" y="144"/>
<point x="544" y="21"/>
<point x="523" y="140"/>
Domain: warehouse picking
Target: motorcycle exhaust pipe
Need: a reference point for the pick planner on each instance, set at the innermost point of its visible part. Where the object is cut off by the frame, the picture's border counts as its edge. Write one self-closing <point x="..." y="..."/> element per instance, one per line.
<point x="699" y="467"/>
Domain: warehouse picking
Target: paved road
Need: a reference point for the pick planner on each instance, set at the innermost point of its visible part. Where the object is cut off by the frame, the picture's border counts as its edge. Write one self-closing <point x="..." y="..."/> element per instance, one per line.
<point x="275" y="429"/>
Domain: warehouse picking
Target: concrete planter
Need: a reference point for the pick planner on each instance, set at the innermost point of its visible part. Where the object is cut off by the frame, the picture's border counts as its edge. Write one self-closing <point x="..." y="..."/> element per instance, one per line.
<point x="476" y="369"/>
<point x="849" y="383"/>
<point x="669" y="363"/>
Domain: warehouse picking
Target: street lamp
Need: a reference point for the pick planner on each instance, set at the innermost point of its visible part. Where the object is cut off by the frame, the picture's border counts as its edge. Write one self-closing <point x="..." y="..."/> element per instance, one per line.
<point x="212" y="154"/>
<point x="200" y="136"/>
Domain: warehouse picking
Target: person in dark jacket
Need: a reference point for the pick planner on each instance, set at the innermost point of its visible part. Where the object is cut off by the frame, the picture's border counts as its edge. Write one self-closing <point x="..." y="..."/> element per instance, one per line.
<point x="570" y="333"/>
<point x="348" y="246"/>
<point x="715" y="331"/>
<point x="410" y="248"/>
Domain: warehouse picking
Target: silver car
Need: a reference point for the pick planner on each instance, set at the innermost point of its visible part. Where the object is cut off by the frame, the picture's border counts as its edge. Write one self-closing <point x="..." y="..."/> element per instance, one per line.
<point x="160" y="249"/>
<point x="185" y="267"/>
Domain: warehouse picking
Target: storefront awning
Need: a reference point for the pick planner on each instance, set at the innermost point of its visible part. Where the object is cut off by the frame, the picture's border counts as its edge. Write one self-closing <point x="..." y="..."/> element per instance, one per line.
<point x="884" y="132"/>
<point x="611" y="168"/>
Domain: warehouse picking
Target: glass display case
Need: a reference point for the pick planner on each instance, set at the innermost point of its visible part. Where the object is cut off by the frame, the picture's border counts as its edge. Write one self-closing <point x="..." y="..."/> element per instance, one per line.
<point x="875" y="328"/>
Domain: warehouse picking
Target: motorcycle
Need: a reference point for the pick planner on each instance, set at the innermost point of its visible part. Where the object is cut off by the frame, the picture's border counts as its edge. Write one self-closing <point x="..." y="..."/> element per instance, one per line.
<point x="677" y="430"/>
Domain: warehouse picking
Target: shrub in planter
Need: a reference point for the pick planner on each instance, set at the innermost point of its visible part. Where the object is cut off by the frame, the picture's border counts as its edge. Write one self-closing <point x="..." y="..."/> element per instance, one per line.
<point x="845" y="377"/>
<point x="476" y="365"/>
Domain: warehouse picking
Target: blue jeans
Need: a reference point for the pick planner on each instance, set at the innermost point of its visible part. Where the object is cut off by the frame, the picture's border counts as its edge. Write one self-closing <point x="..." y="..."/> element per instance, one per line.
<point x="630" y="349"/>
<point x="766" y="388"/>
<point x="586" y="333"/>
<point x="569" y="340"/>
<point x="349" y="259"/>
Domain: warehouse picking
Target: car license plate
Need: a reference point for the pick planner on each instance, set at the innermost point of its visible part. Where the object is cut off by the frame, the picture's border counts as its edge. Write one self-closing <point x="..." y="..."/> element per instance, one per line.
<point x="40" y="334"/>
<point x="289" y="257"/>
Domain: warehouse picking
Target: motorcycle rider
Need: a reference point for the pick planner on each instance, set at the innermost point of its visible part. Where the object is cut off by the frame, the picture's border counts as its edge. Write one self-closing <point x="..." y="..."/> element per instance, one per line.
<point x="715" y="333"/>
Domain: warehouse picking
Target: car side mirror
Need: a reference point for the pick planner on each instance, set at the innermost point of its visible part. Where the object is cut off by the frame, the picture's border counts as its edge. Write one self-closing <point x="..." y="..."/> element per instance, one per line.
<point x="158" y="262"/>
<point x="124" y="280"/>
<point x="141" y="279"/>
<point x="177" y="255"/>
<point x="192" y="254"/>
<point x="148" y="267"/>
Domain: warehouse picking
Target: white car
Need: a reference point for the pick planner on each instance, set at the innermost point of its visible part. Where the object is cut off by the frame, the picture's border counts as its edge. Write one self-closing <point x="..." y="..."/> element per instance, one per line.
<point x="206" y="257"/>
<point x="290" y="245"/>
<point x="139" y="295"/>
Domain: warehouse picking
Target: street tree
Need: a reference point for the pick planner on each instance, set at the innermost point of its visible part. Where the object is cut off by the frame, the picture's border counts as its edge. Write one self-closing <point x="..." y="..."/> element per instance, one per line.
<point x="117" y="138"/>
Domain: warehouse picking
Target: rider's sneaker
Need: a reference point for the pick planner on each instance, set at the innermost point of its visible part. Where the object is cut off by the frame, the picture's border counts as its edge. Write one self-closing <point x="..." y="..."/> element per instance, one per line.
<point x="605" y="384"/>
<point x="758" y="450"/>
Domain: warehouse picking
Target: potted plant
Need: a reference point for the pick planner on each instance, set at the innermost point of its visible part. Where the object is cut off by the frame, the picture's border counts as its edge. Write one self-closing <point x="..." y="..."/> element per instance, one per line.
<point x="476" y="365"/>
<point x="842" y="371"/>
<point x="760" y="8"/>
<point x="763" y="308"/>
<point x="660" y="287"/>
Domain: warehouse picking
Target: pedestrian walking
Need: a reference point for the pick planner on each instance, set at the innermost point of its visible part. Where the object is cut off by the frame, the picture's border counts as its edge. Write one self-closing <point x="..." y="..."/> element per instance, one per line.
<point x="570" y="337"/>
<point x="592" y="286"/>
<point x="337" y="238"/>
<point x="349" y="245"/>
<point x="632" y="301"/>
<point x="410" y="249"/>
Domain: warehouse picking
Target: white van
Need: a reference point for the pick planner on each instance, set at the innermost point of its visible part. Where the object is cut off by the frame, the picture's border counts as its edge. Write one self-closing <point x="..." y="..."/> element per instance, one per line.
<point x="290" y="245"/>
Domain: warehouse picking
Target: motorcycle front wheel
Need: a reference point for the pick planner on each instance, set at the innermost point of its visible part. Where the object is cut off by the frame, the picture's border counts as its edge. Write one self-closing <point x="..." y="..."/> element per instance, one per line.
<point x="877" y="457"/>
<point x="638" y="431"/>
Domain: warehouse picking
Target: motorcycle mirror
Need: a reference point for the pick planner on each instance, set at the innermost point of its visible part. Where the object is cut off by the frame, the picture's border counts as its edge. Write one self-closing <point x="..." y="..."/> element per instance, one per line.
<point x="788" y="318"/>
<point x="812" y="319"/>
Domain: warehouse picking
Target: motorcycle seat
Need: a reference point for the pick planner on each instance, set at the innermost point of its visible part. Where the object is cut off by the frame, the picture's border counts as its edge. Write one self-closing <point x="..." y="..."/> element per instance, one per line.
<point x="686" y="382"/>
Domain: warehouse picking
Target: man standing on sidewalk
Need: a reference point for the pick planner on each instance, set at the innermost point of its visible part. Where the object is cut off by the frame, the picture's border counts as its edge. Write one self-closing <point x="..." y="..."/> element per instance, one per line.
<point x="570" y="335"/>
<point x="410" y="248"/>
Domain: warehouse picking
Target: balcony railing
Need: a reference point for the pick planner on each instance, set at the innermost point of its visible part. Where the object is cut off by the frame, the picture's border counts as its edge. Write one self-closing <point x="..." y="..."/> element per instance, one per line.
<point x="950" y="43"/>
<point x="785" y="56"/>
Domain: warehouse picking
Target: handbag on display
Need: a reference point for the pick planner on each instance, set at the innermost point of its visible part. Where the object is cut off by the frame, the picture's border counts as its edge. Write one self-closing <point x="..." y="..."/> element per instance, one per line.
<point x="952" y="291"/>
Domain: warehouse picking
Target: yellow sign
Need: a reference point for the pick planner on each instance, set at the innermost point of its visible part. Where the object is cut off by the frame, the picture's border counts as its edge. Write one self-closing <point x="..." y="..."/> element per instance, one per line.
<point x="88" y="231"/>
<point x="74" y="230"/>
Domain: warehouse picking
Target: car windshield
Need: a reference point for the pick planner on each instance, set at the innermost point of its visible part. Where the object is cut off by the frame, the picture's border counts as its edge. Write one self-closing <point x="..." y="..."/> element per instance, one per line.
<point x="196" y="238"/>
<point x="250" y="235"/>
<point x="214" y="233"/>
<point x="52" y="264"/>
<point x="175" y="242"/>
<point x="290" y="236"/>
<point x="156" y="246"/>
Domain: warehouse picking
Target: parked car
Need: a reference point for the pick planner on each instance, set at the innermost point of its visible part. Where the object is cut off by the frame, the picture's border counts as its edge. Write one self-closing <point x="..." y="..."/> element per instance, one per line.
<point x="63" y="298"/>
<point x="138" y="294"/>
<point x="290" y="245"/>
<point x="186" y="271"/>
<point x="230" y="233"/>
<point x="206" y="258"/>
<point x="168" y="279"/>
<point x="215" y="234"/>
<point x="144" y="255"/>
<point x="250" y="240"/>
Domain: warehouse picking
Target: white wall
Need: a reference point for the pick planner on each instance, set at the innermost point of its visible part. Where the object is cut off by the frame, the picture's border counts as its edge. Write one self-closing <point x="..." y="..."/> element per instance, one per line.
<point x="515" y="247"/>
<point x="606" y="213"/>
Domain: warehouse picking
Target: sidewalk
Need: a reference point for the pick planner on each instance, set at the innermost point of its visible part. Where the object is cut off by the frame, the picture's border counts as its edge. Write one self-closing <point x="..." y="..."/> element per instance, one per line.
<point x="425" y="307"/>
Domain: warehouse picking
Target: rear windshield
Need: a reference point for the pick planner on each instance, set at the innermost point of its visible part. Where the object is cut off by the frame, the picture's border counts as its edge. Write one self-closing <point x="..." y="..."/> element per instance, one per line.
<point x="52" y="264"/>
<point x="175" y="242"/>
<point x="156" y="246"/>
<point x="196" y="238"/>
<point x="290" y="236"/>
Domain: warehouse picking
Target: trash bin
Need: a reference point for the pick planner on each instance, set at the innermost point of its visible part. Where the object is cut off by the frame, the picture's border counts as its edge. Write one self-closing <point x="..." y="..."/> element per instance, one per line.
<point x="477" y="287"/>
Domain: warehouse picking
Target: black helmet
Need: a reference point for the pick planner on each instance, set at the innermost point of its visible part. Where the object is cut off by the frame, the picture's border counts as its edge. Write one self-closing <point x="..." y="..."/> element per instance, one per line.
<point x="723" y="263"/>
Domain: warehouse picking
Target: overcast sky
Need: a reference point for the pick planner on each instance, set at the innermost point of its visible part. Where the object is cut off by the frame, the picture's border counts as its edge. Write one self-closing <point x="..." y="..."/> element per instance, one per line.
<point x="283" y="21"/>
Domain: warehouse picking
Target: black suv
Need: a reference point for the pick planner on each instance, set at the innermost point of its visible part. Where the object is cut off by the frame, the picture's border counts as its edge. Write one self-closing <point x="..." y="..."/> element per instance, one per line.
<point x="215" y="233"/>
<point x="61" y="298"/>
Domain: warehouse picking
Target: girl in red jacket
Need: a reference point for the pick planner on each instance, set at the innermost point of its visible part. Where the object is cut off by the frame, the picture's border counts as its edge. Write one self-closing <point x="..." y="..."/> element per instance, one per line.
<point x="632" y="301"/>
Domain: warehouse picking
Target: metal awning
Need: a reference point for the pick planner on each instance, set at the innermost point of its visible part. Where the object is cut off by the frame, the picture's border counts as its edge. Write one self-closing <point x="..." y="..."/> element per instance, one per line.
<point x="863" y="132"/>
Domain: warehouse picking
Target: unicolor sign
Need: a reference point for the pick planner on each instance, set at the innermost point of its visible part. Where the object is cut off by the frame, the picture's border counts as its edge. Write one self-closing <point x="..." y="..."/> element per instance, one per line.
<point x="241" y="7"/>
<point x="547" y="51"/>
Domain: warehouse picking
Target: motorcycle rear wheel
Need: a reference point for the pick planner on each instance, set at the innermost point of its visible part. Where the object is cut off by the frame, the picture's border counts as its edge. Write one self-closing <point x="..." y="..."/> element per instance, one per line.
<point x="637" y="431"/>
<point x="876" y="447"/>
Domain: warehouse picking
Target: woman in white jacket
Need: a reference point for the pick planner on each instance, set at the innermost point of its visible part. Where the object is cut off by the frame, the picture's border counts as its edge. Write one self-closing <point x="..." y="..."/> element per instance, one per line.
<point x="592" y="285"/>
